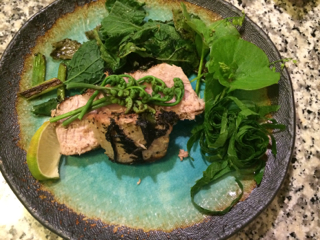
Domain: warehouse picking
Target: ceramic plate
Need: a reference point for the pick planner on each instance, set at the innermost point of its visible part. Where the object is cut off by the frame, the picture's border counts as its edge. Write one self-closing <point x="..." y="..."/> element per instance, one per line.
<point x="98" y="199"/>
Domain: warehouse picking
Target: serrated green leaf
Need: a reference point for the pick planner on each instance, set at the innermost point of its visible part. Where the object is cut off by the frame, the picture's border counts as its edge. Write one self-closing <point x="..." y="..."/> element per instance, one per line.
<point x="86" y="64"/>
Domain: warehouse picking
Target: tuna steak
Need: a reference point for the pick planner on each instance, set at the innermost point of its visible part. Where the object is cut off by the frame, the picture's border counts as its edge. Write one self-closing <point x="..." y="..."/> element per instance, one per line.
<point x="127" y="138"/>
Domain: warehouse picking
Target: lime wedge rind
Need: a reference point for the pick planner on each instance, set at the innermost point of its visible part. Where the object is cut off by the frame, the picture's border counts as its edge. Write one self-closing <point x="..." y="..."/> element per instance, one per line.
<point x="43" y="155"/>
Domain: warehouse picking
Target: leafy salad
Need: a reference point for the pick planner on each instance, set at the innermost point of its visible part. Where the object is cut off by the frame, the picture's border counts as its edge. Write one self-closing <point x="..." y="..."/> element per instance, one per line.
<point x="233" y="134"/>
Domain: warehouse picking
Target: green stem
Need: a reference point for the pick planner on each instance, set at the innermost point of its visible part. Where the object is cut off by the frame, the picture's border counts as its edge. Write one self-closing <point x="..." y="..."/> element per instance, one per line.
<point x="141" y="88"/>
<point x="90" y="101"/>
<point x="39" y="69"/>
<point x="88" y="105"/>
<point x="70" y="120"/>
<point x="200" y="71"/>
<point x="197" y="78"/>
<point x="281" y="60"/>
<point x="93" y="107"/>
<point x="173" y="60"/>
<point x="78" y="110"/>
<point x="142" y="80"/>
<point x="62" y="74"/>
<point x="87" y="85"/>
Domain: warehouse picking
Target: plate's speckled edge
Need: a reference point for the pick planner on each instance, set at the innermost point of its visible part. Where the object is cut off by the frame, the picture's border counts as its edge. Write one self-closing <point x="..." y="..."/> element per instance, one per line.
<point x="66" y="223"/>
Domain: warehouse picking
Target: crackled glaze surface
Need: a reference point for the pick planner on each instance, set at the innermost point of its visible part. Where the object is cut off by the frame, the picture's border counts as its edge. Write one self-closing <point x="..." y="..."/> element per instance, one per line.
<point x="293" y="26"/>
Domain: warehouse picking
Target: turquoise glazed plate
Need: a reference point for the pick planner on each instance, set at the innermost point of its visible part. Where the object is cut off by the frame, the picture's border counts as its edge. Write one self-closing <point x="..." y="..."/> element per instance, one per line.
<point x="98" y="199"/>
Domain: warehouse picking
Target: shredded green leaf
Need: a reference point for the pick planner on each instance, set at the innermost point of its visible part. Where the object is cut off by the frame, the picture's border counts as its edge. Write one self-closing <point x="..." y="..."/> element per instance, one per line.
<point x="234" y="135"/>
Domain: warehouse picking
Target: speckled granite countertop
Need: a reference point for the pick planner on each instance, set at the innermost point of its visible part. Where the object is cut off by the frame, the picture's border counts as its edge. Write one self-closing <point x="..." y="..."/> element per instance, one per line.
<point x="294" y="27"/>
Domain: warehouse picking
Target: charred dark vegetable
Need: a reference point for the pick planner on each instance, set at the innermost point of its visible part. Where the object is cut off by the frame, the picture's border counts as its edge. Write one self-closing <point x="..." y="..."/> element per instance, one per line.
<point x="44" y="109"/>
<point x="41" y="89"/>
<point x="65" y="49"/>
<point x="148" y="122"/>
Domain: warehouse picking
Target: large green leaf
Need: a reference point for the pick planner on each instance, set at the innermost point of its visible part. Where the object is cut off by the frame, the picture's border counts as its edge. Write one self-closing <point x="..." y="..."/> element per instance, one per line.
<point x="214" y="31"/>
<point x="125" y="17"/>
<point x="117" y="26"/>
<point x="239" y="64"/>
<point x="130" y="3"/>
<point x="86" y="64"/>
<point x="112" y="60"/>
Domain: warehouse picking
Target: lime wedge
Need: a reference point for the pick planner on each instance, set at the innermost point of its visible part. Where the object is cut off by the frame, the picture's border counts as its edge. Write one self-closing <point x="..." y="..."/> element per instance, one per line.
<point x="43" y="154"/>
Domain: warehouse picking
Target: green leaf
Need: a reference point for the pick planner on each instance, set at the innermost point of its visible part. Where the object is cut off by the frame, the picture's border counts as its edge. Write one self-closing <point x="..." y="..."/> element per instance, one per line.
<point x="86" y="64"/>
<point x="129" y="3"/>
<point x="179" y="19"/>
<point x="273" y="146"/>
<point x="222" y="136"/>
<point x="264" y="110"/>
<point x="273" y="126"/>
<point x="142" y="35"/>
<point x="203" y="35"/>
<point x="245" y="66"/>
<point x="162" y="42"/>
<point x="223" y="28"/>
<point x="237" y="21"/>
<point x="258" y="176"/>
<point x="131" y="11"/>
<point x="44" y="109"/>
<point x="125" y="17"/>
<point x="124" y="33"/>
<point x="112" y="61"/>
<point x="202" y="48"/>
<point x="196" y="133"/>
<point x="117" y="26"/>
<point x="213" y="91"/>
<point x="214" y="31"/>
<point x="215" y="171"/>
<point x="247" y="145"/>
<point x="130" y="47"/>
<point x="200" y="28"/>
<point x="211" y="173"/>
<point x="191" y="27"/>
